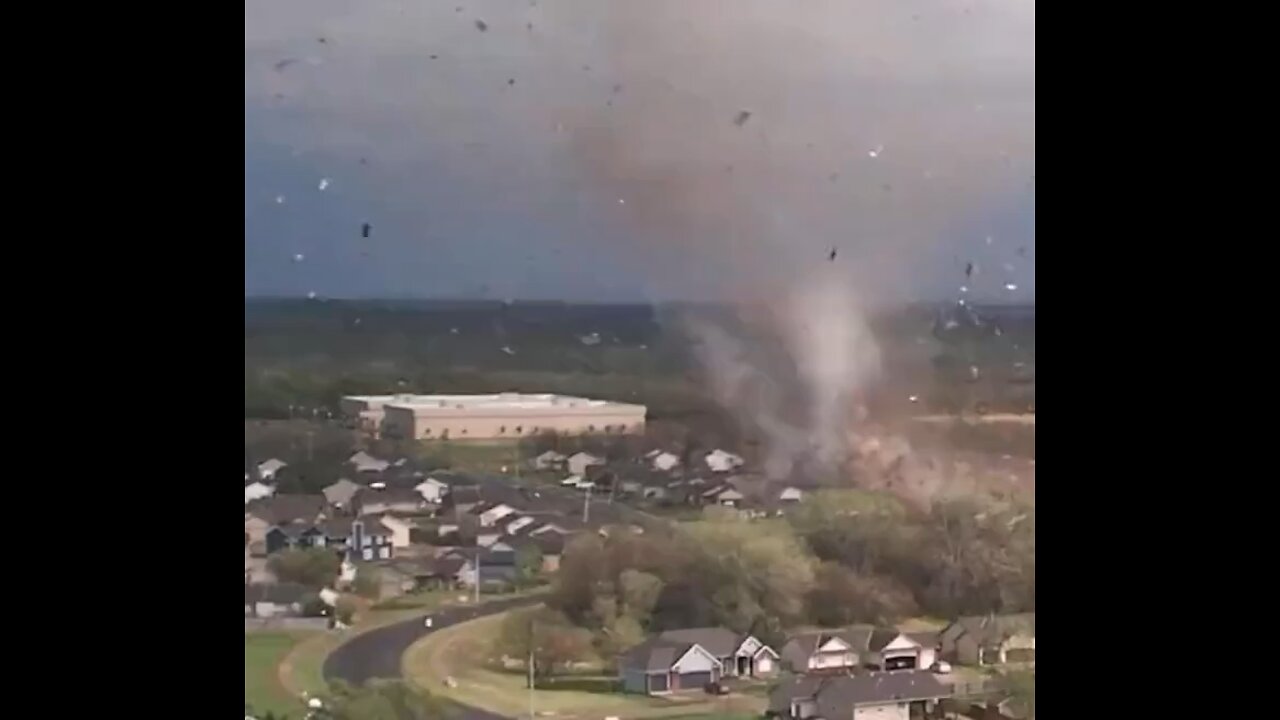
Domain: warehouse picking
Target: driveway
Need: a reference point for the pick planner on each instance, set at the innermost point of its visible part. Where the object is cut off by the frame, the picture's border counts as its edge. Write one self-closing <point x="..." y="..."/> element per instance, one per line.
<point x="377" y="653"/>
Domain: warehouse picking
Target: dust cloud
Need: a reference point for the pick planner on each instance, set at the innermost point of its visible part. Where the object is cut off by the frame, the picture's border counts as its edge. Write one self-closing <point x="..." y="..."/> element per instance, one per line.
<point x="810" y="162"/>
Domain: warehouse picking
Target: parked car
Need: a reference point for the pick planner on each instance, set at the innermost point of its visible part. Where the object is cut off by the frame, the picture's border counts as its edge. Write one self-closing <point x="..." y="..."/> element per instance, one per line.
<point x="715" y="688"/>
<point x="942" y="667"/>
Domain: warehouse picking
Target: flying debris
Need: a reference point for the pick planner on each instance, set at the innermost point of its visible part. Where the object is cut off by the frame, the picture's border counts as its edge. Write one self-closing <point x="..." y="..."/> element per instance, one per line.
<point x="742" y="118"/>
<point x="299" y="257"/>
<point x="511" y="81"/>
<point x="508" y="350"/>
<point x="322" y="40"/>
<point x="482" y="25"/>
<point x="1010" y="287"/>
<point x="364" y="161"/>
<point x="964" y="288"/>
<point x="365" y="229"/>
<point x="832" y="256"/>
<point x="988" y="239"/>
<point x="435" y="57"/>
<point x="1022" y="251"/>
<point x="529" y="27"/>
<point x="914" y="398"/>
<point x="311" y="295"/>
<point x="968" y="270"/>
<point x="453" y="331"/>
<point x="617" y="88"/>
<point x="279" y="199"/>
<point x="875" y="152"/>
<point x="280" y="66"/>
<point x="591" y="339"/>
<point x="324" y="183"/>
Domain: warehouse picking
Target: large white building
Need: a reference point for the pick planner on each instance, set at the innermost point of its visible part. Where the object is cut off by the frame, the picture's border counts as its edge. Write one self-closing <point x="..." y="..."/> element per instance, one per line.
<point x="488" y="417"/>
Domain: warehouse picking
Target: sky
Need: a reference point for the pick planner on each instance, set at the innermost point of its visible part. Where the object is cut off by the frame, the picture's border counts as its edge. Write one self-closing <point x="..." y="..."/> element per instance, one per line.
<point x="617" y="150"/>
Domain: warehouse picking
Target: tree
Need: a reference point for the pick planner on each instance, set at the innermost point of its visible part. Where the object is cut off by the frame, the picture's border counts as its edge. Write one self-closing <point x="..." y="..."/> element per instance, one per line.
<point x="528" y="564"/>
<point x="1020" y="687"/>
<point x="313" y="567"/>
<point x="345" y="610"/>
<point x="842" y="597"/>
<point x="547" y="636"/>
<point x="640" y="591"/>
<point x="380" y="700"/>
<point x="368" y="582"/>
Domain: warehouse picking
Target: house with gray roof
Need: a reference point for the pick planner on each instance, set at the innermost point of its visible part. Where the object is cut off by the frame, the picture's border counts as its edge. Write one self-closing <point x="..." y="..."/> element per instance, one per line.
<point x="659" y="667"/>
<point x="341" y="492"/>
<point x="690" y="658"/>
<point x="990" y="639"/>
<point x="880" y="695"/>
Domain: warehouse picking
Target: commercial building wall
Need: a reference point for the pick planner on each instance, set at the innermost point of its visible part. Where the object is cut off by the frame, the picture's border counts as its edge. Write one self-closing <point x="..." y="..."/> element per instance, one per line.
<point x="404" y="422"/>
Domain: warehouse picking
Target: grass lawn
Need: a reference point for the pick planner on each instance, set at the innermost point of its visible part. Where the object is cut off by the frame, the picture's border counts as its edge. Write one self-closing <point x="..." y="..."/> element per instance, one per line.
<point x="263" y="652"/>
<point x="303" y="669"/>
<point x="461" y="652"/>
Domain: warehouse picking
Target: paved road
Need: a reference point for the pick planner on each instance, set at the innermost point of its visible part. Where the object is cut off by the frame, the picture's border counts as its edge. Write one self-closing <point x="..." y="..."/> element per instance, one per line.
<point x="377" y="653"/>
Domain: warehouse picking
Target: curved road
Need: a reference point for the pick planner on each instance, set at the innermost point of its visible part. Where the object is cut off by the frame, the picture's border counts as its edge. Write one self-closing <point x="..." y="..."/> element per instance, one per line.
<point x="377" y="653"/>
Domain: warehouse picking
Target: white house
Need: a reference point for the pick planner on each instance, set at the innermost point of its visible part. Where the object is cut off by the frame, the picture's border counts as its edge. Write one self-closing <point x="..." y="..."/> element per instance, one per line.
<point x="364" y="462"/>
<point x="399" y="530"/>
<point x="432" y="490"/>
<point x="549" y="460"/>
<point x="256" y="490"/>
<point x="493" y="514"/>
<point x="579" y="462"/>
<point x="721" y="461"/>
<point x="664" y="461"/>
<point x="267" y="470"/>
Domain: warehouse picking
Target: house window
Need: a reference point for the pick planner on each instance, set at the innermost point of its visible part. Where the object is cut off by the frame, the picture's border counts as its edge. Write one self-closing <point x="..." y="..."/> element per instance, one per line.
<point x="519" y="429"/>
<point x="464" y="431"/>
<point x="502" y="430"/>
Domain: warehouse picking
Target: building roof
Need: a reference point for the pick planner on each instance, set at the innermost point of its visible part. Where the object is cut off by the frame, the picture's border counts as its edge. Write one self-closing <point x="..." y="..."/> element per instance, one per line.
<point x="397" y="495"/>
<point x="992" y="629"/>
<point x="283" y="508"/>
<point x="514" y="404"/>
<point x="341" y="491"/>
<point x="836" y="696"/>
<point x="718" y="641"/>
<point x="654" y="655"/>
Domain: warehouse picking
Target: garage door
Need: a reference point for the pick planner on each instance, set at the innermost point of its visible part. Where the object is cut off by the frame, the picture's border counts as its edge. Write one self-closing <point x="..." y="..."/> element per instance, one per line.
<point x="694" y="680"/>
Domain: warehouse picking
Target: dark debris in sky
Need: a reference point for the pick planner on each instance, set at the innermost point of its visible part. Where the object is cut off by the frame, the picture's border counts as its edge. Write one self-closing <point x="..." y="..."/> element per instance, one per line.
<point x="482" y="25"/>
<point x="742" y="117"/>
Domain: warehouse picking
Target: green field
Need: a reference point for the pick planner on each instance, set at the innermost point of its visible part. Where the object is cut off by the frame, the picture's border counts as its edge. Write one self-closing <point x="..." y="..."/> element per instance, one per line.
<point x="262" y="655"/>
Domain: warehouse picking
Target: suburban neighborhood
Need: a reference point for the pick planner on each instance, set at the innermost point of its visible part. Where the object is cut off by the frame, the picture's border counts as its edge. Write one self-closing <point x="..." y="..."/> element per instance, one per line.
<point x="392" y="529"/>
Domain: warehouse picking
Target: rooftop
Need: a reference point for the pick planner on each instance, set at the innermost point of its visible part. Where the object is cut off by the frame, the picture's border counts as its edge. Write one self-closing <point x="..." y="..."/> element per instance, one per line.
<point x="497" y="401"/>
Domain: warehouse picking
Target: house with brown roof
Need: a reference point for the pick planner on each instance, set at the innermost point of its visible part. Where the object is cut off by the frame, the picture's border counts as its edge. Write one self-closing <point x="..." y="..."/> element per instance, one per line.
<point x="880" y="695"/>
<point x="841" y="650"/>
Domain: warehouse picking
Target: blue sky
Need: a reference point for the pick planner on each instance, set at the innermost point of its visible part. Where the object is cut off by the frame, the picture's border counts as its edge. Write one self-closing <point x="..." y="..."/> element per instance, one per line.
<point x="901" y="133"/>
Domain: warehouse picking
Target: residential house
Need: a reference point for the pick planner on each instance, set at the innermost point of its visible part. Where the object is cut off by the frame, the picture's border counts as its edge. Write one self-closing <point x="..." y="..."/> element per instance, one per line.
<point x="267" y="470"/>
<point x="858" y="647"/>
<point x="341" y="493"/>
<point x="549" y="460"/>
<point x="878" y="696"/>
<point x="396" y="500"/>
<point x="659" y="667"/>
<point x="723" y="494"/>
<point x="790" y="495"/>
<point x="722" y="462"/>
<point x="990" y="639"/>
<point x="462" y="498"/>
<point x="363" y="462"/>
<point x="433" y="490"/>
<point x="662" y="461"/>
<point x="404" y="576"/>
<point x="266" y="601"/>
<point x="497" y="565"/>
<point x="578" y="463"/>
<point x="257" y="490"/>
<point x="400" y="528"/>
<point x="550" y="546"/>
<point x="739" y="654"/>
<point x="294" y="536"/>
<point x="286" y="508"/>
<point x="362" y="538"/>
<point x="490" y="513"/>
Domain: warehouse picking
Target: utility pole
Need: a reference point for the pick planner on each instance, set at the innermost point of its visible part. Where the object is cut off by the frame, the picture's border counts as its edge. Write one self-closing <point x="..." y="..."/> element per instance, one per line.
<point x="477" y="602"/>
<point x="586" y="505"/>
<point x="532" y="640"/>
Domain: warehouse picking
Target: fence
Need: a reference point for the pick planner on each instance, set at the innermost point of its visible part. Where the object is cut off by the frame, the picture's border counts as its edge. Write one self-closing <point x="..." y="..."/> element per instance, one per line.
<point x="286" y="623"/>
